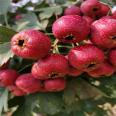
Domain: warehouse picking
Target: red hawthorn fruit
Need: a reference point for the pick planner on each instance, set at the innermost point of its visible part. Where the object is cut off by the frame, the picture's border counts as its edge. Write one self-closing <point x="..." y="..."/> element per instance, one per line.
<point x="88" y="19"/>
<point x="112" y="57"/>
<point x="104" y="33"/>
<point x="74" y="72"/>
<point x="86" y="57"/>
<point x="90" y="7"/>
<point x="72" y="10"/>
<point x="52" y="66"/>
<point x="105" y="9"/>
<point x="54" y="85"/>
<point x="105" y="69"/>
<point x="31" y="44"/>
<point x="114" y="15"/>
<point x="106" y="17"/>
<point x="71" y="28"/>
<point x="8" y="77"/>
<point x="28" y="83"/>
<point x="16" y="91"/>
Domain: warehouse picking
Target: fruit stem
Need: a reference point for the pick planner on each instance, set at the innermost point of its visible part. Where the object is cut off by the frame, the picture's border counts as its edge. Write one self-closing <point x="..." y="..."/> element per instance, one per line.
<point x="77" y="44"/>
<point x="25" y="67"/>
<point x="55" y="47"/>
<point x="73" y="45"/>
<point x="6" y="20"/>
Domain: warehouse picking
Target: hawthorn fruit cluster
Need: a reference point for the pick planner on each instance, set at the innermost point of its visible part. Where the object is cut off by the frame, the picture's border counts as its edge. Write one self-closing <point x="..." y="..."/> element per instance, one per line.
<point x="88" y="25"/>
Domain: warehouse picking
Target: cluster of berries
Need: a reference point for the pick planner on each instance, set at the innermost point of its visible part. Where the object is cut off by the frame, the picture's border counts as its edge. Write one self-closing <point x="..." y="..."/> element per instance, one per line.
<point x="95" y="53"/>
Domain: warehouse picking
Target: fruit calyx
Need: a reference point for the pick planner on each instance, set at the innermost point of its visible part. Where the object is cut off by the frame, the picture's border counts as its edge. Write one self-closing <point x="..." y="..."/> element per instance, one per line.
<point x="69" y="37"/>
<point x="91" y="65"/>
<point x="55" y="75"/>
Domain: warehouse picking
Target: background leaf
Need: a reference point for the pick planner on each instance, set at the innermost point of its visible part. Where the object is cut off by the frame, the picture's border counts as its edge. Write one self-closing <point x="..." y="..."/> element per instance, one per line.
<point x="49" y="103"/>
<point x="28" y="21"/>
<point x="5" y="53"/>
<point x="6" y="34"/>
<point x="4" y="5"/>
<point x="107" y="85"/>
<point x="78" y="89"/>
<point x="47" y="12"/>
<point x="3" y="100"/>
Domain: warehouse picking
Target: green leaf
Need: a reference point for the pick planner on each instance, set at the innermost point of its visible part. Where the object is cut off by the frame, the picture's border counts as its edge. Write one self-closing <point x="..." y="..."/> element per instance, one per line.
<point x="4" y="5"/>
<point x="70" y="93"/>
<point x="44" y="23"/>
<point x="26" y="108"/>
<point x="47" y="12"/>
<point x="109" y="2"/>
<point x="108" y="86"/>
<point x="3" y="100"/>
<point x="28" y="21"/>
<point x="50" y="103"/>
<point x="78" y="89"/>
<point x="6" y="34"/>
<point x="5" y="53"/>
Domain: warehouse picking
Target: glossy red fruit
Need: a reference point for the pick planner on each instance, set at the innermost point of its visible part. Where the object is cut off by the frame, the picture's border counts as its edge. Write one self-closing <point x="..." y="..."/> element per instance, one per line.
<point x="105" y="69"/>
<point x="105" y="9"/>
<point x="31" y="44"/>
<point x="74" y="72"/>
<point x="71" y="28"/>
<point x="72" y="10"/>
<point x="52" y="66"/>
<point x="8" y="77"/>
<point x="90" y="7"/>
<point x="16" y="91"/>
<point x="112" y="57"/>
<point x="106" y="17"/>
<point x="88" y="19"/>
<point x="104" y="33"/>
<point x="114" y="15"/>
<point x="54" y="85"/>
<point x="28" y="83"/>
<point x="86" y="57"/>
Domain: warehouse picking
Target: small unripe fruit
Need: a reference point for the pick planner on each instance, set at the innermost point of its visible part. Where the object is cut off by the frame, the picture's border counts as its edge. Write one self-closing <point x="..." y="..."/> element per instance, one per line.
<point x="71" y="28"/>
<point x="105" y="69"/>
<point x="8" y="77"/>
<point x="18" y="16"/>
<point x="112" y="57"/>
<point x="104" y="33"/>
<point x="28" y="83"/>
<point x="52" y="66"/>
<point x="54" y="85"/>
<point x="86" y="57"/>
<point x="31" y="44"/>
<point x="72" y="10"/>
